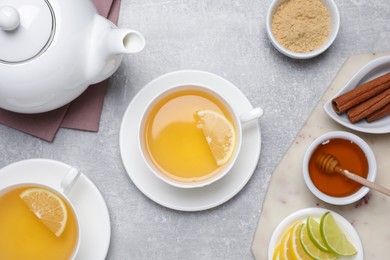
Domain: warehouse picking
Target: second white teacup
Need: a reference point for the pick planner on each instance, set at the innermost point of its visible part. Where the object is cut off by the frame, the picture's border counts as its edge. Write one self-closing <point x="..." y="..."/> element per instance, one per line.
<point x="38" y="221"/>
<point x="174" y="137"/>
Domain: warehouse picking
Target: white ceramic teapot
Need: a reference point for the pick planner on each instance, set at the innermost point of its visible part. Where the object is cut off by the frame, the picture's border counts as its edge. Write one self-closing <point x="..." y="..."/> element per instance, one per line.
<point x="52" y="50"/>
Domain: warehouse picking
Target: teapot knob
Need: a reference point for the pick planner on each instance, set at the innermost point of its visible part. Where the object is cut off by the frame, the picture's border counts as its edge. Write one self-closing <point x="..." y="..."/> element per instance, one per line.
<point x="9" y="18"/>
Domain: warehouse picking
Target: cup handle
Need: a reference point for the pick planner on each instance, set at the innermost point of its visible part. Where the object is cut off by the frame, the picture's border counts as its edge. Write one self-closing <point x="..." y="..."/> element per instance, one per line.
<point x="251" y="115"/>
<point x="69" y="180"/>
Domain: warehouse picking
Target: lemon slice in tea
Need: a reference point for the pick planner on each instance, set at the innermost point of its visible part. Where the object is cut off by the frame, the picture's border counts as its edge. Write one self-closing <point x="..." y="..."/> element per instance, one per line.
<point x="48" y="207"/>
<point x="334" y="237"/>
<point x="219" y="133"/>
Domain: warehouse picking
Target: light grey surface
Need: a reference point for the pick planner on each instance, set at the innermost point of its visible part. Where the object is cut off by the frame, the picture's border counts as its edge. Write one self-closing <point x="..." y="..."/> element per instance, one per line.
<point x="228" y="38"/>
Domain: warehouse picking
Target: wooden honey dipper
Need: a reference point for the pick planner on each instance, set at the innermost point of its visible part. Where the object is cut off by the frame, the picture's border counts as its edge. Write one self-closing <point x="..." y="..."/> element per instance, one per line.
<point x="330" y="165"/>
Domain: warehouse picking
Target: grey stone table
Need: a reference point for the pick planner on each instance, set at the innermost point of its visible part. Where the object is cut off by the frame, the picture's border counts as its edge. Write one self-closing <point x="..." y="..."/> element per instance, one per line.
<point x="228" y="38"/>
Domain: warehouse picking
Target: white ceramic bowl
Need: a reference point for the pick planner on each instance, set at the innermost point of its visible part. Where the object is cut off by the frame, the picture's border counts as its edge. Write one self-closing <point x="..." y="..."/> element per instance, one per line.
<point x="334" y="29"/>
<point x="372" y="168"/>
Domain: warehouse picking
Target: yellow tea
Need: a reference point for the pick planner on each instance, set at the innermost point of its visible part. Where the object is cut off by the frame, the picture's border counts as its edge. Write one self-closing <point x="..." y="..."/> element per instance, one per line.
<point x="23" y="236"/>
<point x="174" y="142"/>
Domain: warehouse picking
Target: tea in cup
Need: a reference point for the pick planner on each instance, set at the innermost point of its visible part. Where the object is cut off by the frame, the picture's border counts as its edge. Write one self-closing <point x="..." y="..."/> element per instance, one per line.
<point x="37" y="222"/>
<point x="190" y="136"/>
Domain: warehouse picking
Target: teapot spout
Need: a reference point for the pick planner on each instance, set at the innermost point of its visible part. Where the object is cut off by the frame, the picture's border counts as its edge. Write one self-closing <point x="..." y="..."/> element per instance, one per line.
<point x="107" y="46"/>
<point x="122" y="41"/>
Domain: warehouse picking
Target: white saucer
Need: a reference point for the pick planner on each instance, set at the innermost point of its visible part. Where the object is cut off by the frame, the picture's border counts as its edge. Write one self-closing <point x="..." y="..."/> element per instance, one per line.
<point x="197" y="198"/>
<point x="302" y="214"/>
<point x="88" y="202"/>
<point x="370" y="71"/>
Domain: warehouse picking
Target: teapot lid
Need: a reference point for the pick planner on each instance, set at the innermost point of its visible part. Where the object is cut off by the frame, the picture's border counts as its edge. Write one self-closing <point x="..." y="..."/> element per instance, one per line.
<point x="26" y="29"/>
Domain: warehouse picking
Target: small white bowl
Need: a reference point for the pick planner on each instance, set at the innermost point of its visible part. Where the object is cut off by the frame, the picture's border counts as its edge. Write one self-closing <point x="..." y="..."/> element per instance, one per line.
<point x="334" y="29"/>
<point x="372" y="168"/>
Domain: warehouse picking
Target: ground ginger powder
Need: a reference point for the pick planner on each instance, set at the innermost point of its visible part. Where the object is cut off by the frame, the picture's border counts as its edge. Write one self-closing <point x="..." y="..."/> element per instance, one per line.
<point x="301" y="25"/>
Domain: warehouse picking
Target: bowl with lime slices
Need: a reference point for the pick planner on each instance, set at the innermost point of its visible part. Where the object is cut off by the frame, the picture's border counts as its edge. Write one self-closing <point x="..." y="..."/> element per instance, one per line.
<point x="315" y="233"/>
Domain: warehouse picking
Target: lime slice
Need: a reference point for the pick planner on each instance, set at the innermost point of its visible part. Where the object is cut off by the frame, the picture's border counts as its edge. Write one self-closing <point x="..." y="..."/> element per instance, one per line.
<point x="334" y="238"/>
<point x="311" y="249"/>
<point x="313" y="228"/>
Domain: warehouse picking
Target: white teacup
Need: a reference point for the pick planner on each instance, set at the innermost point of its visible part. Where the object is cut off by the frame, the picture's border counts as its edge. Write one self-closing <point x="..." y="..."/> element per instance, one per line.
<point x="173" y="107"/>
<point x="23" y="232"/>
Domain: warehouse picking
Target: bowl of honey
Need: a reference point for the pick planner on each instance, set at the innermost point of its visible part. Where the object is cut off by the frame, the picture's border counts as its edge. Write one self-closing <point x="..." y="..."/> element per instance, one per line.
<point x="353" y="154"/>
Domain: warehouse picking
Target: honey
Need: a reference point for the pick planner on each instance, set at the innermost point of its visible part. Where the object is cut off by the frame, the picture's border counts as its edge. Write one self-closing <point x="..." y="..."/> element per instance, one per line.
<point x="350" y="157"/>
<point x="174" y="142"/>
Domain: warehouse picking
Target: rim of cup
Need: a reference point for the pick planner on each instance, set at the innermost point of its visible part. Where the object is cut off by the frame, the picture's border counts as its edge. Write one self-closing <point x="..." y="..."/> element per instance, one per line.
<point x="334" y="29"/>
<point x="57" y="192"/>
<point x="226" y="168"/>
<point x="372" y="168"/>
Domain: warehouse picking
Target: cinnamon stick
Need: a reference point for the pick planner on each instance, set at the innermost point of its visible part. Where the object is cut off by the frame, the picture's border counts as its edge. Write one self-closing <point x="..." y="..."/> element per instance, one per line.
<point x="384" y="111"/>
<point x="368" y="107"/>
<point x="363" y="92"/>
